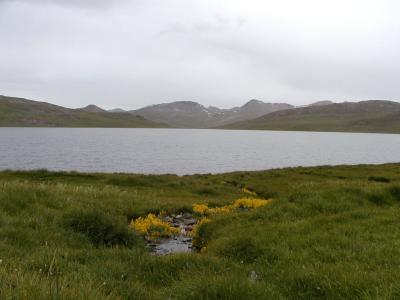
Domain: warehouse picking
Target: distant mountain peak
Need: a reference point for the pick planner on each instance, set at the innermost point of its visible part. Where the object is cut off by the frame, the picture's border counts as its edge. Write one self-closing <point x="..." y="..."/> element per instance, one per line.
<point x="320" y="103"/>
<point x="92" y="108"/>
<point x="253" y="102"/>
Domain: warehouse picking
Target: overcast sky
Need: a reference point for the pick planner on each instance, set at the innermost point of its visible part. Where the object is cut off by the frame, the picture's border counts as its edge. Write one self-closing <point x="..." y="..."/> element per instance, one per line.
<point x="132" y="53"/>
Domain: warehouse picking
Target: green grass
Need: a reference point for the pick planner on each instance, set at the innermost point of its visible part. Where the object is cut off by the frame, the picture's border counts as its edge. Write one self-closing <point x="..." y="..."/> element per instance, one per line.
<point x="330" y="233"/>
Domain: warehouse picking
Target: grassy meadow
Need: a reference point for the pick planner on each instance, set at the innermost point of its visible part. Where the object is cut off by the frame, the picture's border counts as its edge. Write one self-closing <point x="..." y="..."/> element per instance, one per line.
<point x="329" y="233"/>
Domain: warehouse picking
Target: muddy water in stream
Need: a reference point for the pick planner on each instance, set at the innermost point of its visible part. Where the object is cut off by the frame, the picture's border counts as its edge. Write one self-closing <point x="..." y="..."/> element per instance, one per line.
<point x="177" y="244"/>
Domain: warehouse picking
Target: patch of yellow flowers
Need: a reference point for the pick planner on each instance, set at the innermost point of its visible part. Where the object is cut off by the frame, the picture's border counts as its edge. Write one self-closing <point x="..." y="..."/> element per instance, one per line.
<point x="248" y="191"/>
<point x="200" y="208"/>
<point x="251" y="203"/>
<point x="153" y="227"/>
<point x="203" y="209"/>
<point x="244" y="203"/>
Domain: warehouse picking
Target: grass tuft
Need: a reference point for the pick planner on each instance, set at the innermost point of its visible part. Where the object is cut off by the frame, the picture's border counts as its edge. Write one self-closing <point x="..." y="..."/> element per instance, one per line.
<point x="379" y="179"/>
<point x="100" y="229"/>
<point x="241" y="249"/>
<point x="395" y="192"/>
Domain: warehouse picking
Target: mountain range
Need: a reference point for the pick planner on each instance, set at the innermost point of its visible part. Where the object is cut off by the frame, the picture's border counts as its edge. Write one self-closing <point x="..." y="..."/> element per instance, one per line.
<point x="188" y="114"/>
<point x="363" y="116"/>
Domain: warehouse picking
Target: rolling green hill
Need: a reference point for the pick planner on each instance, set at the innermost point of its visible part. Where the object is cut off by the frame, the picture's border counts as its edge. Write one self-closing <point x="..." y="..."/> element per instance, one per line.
<point x="364" y="116"/>
<point x="18" y="112"/>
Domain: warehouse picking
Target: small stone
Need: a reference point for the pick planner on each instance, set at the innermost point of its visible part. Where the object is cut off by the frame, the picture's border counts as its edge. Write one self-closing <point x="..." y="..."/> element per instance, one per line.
<point x="168" y="219"/>
<point x="189" y="221"/>
<point x="253" y="276"/>
<point x="179" y="216"/>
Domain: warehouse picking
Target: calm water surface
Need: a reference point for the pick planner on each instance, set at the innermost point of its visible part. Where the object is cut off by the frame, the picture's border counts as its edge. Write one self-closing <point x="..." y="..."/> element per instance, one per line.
<point x="187" y="151"/>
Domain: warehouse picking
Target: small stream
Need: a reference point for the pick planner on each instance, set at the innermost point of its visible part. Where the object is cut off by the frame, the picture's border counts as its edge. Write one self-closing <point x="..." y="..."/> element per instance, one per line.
<point x="171" y="245"/>
<point x="181" y="243"/>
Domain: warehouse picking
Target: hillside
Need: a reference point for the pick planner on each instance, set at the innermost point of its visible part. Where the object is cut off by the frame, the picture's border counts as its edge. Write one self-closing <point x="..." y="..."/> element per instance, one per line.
<point x="188" y="114"/>
<point x="18" y="112"/>
<point x="364" y="116"/>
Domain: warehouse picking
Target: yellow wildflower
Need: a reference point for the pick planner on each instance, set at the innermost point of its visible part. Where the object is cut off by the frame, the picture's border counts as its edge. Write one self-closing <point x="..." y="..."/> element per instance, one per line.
<point x="203" y="209"/>
<point x="153" y="226"/>
<point x="248" y="191"/>
<point x="251" y="203"/>
<point x="220" y="210"/>
<point x="200" y="208"/>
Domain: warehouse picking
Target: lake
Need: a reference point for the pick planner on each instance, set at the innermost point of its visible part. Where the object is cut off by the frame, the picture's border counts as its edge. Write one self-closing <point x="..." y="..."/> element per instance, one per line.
<point x="187" y="151"/>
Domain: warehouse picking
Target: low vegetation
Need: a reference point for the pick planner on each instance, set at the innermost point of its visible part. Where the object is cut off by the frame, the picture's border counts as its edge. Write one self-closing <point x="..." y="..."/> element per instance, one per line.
<point x="328" y="233"/>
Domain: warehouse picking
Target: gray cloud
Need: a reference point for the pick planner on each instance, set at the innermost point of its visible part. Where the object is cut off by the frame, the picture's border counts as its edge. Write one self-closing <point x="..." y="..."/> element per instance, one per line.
<point x="94" y="4"/>
<point x="126" y="53"/>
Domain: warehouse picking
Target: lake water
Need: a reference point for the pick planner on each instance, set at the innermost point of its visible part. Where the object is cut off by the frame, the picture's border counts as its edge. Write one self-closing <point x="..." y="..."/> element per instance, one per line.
<point x="187" y="151"/>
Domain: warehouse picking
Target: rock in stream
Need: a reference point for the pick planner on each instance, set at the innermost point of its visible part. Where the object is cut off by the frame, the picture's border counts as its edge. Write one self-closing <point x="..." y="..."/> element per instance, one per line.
<point x="181" y="243"/>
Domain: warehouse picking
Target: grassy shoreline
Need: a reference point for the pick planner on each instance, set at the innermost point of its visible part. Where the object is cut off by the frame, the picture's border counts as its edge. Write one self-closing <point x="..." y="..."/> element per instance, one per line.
<point x="330" y="233"/>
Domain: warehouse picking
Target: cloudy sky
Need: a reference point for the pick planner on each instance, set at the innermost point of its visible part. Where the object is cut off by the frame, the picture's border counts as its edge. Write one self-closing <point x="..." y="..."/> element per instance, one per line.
<point x="131" y="53"/>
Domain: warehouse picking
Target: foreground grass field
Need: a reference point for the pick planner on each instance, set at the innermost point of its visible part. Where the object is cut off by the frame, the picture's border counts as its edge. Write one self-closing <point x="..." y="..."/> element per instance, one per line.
<point x="330" y="233"/>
